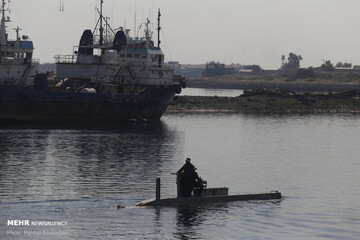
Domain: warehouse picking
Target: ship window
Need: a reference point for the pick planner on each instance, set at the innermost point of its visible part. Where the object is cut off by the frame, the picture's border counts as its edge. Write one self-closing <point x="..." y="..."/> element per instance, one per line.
<point x="129" y="55"/>
<point x="122" y="55"/>
<point x="154" y="58"/>
<point x="160" y="61"/>
<point x="137" y="55"/>
<point x="143" y="55"/>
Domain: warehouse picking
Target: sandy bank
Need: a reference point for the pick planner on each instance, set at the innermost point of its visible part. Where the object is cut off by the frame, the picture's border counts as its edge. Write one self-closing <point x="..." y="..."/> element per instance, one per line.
<point x="270" y="102"/>
<point x="322" y="81"/>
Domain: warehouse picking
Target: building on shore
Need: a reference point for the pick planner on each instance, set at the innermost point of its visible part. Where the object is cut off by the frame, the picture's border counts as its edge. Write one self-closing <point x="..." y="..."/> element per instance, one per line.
<point x="217" y="69"/>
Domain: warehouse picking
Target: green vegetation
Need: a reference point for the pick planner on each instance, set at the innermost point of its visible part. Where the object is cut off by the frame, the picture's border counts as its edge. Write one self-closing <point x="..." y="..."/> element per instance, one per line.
<point x="327" y="66"/>
<point x="345" y="65"/>
<point x="305" y="73"/>
<point x="293" y="62"/>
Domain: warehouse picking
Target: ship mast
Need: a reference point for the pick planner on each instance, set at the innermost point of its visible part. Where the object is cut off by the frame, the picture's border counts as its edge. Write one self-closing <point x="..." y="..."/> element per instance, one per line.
<point x="100" y="29"/>
<point x="3" y="9"/>
<point x="101" y="23"/>
<point x="2" y="27"/>
<point x="147" y="33"/>
<point x="17" y="36"/>
<point x="159" y="28"/>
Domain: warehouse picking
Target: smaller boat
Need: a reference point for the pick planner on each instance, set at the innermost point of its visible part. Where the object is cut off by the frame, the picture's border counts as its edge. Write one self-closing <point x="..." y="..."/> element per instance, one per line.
<point x="208" y="196"/>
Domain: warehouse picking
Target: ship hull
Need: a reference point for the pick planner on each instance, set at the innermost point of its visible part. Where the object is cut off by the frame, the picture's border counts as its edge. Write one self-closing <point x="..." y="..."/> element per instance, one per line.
<point x="18" y="104"/>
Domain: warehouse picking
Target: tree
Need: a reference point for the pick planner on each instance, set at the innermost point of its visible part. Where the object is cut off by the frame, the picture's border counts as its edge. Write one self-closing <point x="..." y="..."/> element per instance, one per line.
<point x="305" y="73"/>
<point x="293" y="61"/>
<point x="347" y="65"/>
<point x="327" y="66"/>
<point x="339" y="64"/>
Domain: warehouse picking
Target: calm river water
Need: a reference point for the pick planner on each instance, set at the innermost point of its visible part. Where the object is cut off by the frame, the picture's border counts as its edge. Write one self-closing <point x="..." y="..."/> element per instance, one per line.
<point x="79" y="176"/>
<point x="211" y="92"/>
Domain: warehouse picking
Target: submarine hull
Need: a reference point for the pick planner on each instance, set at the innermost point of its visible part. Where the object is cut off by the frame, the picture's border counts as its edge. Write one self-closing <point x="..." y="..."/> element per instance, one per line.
<point x="178" y="202"/>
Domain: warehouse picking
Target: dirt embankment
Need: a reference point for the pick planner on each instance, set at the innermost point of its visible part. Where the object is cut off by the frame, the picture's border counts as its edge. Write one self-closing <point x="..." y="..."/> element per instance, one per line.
<point x="270" y="101"/>
<point x="342" y="80"/>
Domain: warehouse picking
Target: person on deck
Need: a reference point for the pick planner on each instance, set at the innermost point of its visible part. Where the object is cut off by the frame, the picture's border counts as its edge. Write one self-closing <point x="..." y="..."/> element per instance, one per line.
<point x="187" y="168"/>
<point x="189" y="179"/>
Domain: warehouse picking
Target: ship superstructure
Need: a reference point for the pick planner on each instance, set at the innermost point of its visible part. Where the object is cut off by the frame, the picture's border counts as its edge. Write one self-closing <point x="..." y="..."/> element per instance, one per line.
<point x="16" y="56"/>
<point x="116" y="61"/>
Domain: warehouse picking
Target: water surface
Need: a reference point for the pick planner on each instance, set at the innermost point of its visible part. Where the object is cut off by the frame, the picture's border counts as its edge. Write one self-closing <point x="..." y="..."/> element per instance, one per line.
<point x="211" y="92"/>
<point x="80" y="175"/>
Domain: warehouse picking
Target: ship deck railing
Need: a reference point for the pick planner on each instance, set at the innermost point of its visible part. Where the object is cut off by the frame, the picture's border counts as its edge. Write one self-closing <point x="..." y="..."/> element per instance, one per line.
<point x="19" y="60"/>
<point x="150" y="65"/>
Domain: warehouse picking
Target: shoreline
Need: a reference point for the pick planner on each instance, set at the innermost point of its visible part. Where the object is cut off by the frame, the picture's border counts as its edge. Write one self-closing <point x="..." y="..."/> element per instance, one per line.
<point x="320" y="81"/>
<point x="294" y="86"/>
<point x="268" y="102"/>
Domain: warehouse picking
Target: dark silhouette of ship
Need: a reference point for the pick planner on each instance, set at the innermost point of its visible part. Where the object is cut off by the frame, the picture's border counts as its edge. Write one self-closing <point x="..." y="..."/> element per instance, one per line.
<point x="112" y="77"/>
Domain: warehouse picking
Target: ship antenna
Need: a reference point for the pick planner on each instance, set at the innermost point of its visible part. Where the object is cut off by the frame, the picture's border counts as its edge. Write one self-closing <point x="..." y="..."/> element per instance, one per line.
<point x="62" y="6"/>
<point x="3" y="35"/>
<point x="159" y="28"/>
<point x="135" y="26"/>
<point x="101" y="23"/>
<point x="3" y="9"/>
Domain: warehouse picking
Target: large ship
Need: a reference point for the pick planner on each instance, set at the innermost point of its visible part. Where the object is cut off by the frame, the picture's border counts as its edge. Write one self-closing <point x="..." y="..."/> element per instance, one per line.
<point x="17" y="66"/>
<point x="109" y="77"/>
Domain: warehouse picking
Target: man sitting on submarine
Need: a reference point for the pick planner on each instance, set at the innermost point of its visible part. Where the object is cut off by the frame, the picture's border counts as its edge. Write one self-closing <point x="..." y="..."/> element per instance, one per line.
<point x="188" y="179"/>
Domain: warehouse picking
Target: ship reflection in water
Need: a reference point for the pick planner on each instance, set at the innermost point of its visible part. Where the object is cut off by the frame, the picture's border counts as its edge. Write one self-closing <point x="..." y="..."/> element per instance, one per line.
<point x="47" y="164"/>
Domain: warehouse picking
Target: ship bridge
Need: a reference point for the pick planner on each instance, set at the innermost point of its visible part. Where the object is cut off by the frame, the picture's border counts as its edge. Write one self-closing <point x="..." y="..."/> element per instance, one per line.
<point x="153" y="57"/>
<point x="16" y="62"/>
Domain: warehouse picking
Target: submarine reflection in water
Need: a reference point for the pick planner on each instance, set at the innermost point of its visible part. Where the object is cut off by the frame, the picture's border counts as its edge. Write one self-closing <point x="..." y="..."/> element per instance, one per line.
<point x="84" y="163"/>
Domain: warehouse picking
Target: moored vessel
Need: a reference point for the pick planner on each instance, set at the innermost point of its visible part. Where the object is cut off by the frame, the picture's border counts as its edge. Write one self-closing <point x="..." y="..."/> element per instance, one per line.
<point x="17" y="66"/>
<point x="109" y="77"/>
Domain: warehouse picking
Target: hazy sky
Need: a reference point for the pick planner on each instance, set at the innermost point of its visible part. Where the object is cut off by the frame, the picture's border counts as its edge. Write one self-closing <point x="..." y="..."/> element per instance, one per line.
<point x="197" y="31"/>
